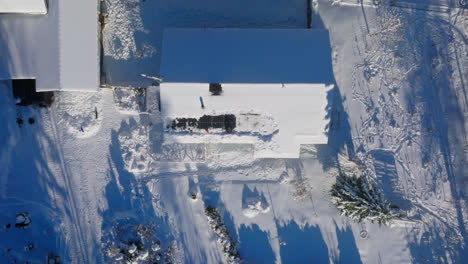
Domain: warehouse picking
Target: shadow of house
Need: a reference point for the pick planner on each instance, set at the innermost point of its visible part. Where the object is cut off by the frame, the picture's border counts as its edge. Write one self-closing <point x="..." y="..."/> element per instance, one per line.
<point x="338" y="129"/>
<point x="254" y="246"/>
<point x="302" y="245"/>
<point x="24" y="90"/>
<point x="29" y="183"/>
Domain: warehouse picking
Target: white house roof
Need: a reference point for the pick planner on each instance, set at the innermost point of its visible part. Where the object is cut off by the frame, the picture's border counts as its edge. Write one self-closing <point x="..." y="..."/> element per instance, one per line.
<point x="289" y="114"/>
<point x="274" y="82"/>
<point x="246" y="56"/>
<point x="60" y="50"/>
<point x="23" y="6"/>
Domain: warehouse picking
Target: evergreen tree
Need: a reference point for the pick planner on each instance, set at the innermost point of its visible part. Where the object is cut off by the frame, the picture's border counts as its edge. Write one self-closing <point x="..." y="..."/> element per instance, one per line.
<point x="358" y="199"/>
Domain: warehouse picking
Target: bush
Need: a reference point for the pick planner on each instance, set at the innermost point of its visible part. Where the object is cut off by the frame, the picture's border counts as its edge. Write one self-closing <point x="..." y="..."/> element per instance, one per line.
<point x="224" y="238"/>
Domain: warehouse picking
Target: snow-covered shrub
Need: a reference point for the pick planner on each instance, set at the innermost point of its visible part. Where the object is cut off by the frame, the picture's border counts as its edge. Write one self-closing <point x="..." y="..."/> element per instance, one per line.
<point x="133" y="140"/>
<point x="174" y="254"/>
<point x="22" y="220"/>
<point x="253" y="206"/>
<point x="358" y="199"/>
<point x="130" y="100"/>
<point x="132" y="243"/>
<point x="226" y="241"/>
<point x="301" y="190"/>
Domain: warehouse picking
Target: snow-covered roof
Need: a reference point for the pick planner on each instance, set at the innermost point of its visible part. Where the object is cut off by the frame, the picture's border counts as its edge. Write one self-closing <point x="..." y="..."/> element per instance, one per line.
<point x="23" y="6"/>
<point x="274" y="82"/>
<point x="60" y="50"/>
<point x="246" y="56"/>
<point x="277" y="118"/>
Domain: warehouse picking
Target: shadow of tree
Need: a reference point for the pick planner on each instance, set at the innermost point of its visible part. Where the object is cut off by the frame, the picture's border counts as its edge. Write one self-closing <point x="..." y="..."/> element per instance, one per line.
<point x="434" y="96"/>
<point x="128" y="199"/>
<point x="302" y="245"/>
<point x="29" y="183"/>
<point x="435" y="247"/>
<point x="254" y="246"/>
<point x="248" y="195"/>
<point x="338" y="129"/>
<point x="349" y="252"/>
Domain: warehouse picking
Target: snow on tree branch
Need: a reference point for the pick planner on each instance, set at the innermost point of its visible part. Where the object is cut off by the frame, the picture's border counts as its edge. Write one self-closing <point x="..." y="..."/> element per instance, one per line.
<point x="358" y="199"/>
<point x="226" y="241"/>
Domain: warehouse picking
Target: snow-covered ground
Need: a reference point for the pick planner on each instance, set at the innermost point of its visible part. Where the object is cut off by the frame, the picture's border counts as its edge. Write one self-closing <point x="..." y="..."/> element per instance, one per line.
<point x="398" y="111"/>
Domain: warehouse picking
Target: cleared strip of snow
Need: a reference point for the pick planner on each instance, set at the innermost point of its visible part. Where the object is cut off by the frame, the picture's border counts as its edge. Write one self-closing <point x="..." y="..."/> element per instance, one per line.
<point x="298" y="109"/>
<point x="23" y="6"/>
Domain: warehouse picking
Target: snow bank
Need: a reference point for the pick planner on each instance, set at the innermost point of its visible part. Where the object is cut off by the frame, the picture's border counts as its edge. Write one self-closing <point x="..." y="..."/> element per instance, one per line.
<point x="130" y="242"/>
<point x="124" y="22"/>
<point x="80" y="113"/>
<point x="255" y="206"/>
<point x="133" y="139"/>
<point x="130" y="100"/>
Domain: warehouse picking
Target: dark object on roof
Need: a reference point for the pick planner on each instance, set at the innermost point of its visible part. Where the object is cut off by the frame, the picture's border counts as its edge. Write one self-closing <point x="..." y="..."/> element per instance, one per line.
<point x="206" y="122"/>
<point x="228" y="122"/>
<point x="216" y="89"/>
<point x="184" y="123"/>
<point x="25" y="90"/>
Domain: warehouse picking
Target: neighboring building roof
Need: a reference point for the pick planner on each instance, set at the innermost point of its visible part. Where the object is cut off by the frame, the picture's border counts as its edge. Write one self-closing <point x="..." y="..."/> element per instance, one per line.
<point x="23" y="6"/>
<point x="60" y="50"/>
<point x="280" y="117"/>
<point x="246" y="56"/>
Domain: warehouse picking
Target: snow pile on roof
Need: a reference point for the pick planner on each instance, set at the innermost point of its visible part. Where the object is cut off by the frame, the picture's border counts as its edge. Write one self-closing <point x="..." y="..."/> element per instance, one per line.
<point x="23" y="6"/>
<point x="59" y="50"/>
<point x="298" y="111"/>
